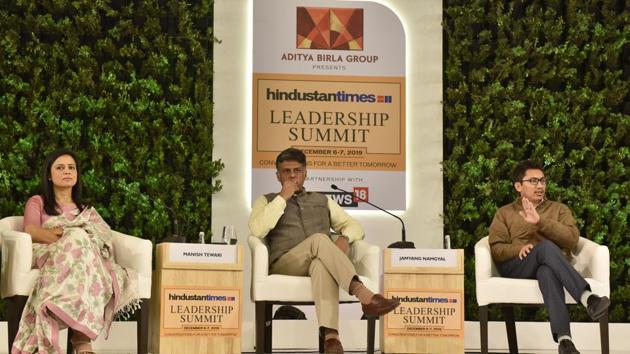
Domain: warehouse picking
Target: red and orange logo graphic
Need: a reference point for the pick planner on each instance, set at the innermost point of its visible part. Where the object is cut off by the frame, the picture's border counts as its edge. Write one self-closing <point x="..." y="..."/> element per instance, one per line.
<point x="329" y="28"/>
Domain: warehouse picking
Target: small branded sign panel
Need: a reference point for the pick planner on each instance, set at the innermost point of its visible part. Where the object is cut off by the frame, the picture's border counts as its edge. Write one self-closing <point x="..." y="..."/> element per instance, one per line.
<point x="200" y="311"/>
<point x="202" y="253"/>
<point x="426" y="258"/>
<point x="329" y="78"/>
<point x="426" y="313"/>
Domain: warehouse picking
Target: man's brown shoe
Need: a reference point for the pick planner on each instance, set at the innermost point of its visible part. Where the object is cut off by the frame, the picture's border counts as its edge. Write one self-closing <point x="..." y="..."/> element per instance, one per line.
<point x="379" y="306"/>
<point x="333" y="346"/>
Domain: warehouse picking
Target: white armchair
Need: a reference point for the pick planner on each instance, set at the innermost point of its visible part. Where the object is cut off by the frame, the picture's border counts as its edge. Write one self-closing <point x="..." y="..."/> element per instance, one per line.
<point x="17" y="278"/>
<point x="268" y="290"/>
<point x="590" y="260"/>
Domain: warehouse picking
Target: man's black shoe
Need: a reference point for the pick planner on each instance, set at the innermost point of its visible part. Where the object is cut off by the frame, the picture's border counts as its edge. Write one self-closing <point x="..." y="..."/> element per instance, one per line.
<point x="597" y="306"/>
<point x="566" y="347"/>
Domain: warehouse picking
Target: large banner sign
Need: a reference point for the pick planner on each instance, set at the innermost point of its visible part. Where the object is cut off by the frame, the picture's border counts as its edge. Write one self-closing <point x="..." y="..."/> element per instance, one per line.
<point x="329" y="78"/>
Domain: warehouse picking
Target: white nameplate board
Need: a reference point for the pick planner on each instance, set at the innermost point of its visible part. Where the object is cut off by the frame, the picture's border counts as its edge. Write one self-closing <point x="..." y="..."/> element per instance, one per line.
<point x="429" y="258"/>
<point x="202" y="253"/>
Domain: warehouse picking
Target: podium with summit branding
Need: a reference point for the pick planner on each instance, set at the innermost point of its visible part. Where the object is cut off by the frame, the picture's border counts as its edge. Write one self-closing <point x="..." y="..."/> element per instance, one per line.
<point x="430" y="286"/>
<point x="196" y="296"/>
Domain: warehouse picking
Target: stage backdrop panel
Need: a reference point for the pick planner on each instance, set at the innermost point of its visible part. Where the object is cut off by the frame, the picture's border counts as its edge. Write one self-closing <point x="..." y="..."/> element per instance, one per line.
<point x="329" y="78"/>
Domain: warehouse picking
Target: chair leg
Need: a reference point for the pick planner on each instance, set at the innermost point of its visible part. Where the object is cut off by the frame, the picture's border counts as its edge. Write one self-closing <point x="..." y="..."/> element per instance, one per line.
<point x="371" y="329"/>
<point x="263" y="327"/>
<point x="483" y="328"/>
<point x="268" y="326"/>
<point x="15" y="307"/>
<point x="260" y="327"/>
<point x="603" y="332"/>
<point x="69" y="347"/>
<point x="142" y="327"/>
<point x="320" y="339"/>
<point x="510" y="326"/>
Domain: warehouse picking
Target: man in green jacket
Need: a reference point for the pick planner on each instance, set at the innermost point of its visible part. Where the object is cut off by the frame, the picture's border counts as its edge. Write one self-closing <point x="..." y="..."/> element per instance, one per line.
<point x="532" y="238"/>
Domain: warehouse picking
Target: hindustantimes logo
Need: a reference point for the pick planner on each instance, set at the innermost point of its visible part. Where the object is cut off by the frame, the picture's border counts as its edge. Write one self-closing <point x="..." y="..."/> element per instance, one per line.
<point x="321" y="96"/>
<point x="426" y="299"/>
<point x="195" y="297"/>
<point x="329" y="28"/>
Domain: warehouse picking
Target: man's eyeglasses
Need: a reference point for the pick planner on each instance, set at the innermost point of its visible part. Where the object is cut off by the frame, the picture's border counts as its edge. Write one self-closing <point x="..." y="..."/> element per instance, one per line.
<point x="535" y="181"/>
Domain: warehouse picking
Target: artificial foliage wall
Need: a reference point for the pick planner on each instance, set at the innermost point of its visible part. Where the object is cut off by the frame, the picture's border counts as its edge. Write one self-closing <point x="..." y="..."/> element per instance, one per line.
<point x="550" y="81"/>
<point x="125" y="84"/>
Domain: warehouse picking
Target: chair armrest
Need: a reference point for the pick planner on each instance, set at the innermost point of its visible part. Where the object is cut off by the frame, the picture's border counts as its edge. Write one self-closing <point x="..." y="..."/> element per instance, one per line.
<point x="366" y="258"/>
<point x="599" y="267"/>
<point x="260" y="259"/>
<point x="17" y="257"/>
<point x="483" y="260"/>
<point x="15" y="223"/>
<point x="592" y="260"/>
<point x="133" y="253"/>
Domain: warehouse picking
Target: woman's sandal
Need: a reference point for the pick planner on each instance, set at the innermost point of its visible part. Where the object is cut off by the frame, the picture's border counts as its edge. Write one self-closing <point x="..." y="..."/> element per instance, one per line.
<point x="76" y="350"/>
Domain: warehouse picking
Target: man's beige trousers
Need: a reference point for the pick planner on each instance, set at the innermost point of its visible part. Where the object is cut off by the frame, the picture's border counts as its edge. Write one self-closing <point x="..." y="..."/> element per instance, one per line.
<point x="329" y="269"/>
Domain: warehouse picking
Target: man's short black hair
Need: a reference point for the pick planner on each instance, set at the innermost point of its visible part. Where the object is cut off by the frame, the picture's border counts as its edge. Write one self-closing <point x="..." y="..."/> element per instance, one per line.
<point x="291" y="154"/>
<point x="519" y="171"/>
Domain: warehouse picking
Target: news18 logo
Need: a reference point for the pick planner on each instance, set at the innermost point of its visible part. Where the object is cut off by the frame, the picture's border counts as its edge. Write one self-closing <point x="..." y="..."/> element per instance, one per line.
<point x="329" y="28"/>
<point x="362" y="193"/>
<point x="349" y="200"/>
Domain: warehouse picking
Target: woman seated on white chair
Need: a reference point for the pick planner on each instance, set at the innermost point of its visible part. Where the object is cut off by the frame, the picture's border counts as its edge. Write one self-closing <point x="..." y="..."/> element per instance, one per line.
<point x="79" y="285"/>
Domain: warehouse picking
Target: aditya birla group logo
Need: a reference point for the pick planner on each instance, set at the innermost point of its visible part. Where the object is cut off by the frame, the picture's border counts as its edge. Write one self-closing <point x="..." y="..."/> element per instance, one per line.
<point x="329" y="28"/>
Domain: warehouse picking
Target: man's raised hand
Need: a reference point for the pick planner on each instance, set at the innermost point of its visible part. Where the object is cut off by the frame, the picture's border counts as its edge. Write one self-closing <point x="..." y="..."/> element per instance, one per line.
<point x="529" y="212"/>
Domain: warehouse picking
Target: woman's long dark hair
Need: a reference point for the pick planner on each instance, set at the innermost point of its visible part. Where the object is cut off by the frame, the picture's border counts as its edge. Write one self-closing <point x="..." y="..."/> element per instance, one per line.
<point x="48" y="192"/>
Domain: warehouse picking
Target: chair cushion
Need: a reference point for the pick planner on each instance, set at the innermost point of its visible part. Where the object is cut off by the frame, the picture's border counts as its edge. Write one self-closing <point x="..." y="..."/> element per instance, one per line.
<point x="27" y="283"/>
<point x="522" y="291"/>
<point x="278" y="287"/>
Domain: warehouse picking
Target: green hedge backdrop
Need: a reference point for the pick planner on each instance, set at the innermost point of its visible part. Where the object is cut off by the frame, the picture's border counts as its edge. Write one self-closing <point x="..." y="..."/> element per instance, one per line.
<point x="128" y="85"/>
<point x="547" y="80"/>
<point x="125" y="84"/>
